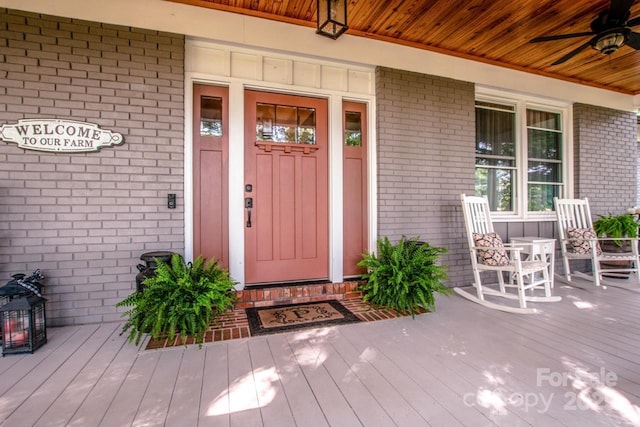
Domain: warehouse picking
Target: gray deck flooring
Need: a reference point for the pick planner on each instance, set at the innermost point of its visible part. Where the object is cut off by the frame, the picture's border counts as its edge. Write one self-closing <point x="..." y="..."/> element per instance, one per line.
<point x="577" y="363"/>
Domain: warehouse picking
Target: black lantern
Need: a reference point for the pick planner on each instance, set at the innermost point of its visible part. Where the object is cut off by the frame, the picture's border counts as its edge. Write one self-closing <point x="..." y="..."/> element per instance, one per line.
<point x="24" y="324"/>
<point x="332" y="18"/>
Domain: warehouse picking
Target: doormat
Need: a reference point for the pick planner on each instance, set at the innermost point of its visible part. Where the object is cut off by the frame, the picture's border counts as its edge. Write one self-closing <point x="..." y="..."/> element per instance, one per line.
<point x="283" y="318"/>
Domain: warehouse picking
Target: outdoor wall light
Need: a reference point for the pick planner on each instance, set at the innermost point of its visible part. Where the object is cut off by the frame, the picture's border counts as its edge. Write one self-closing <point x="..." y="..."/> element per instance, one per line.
<point x="332" y="18"/>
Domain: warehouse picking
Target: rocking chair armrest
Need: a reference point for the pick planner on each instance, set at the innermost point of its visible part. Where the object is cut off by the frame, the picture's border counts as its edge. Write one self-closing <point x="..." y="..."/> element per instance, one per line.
<point x="515" y="246"/>
<point x="606" y="239"/>
<point x="506" y="247"/>
<point x="568" y="240"/>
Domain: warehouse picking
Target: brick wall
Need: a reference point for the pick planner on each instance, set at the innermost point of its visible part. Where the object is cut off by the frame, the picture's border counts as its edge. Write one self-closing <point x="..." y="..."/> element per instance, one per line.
<point x="426" y="158"/>
<point x="605" y="155"/>
<point x="84" y="219"/>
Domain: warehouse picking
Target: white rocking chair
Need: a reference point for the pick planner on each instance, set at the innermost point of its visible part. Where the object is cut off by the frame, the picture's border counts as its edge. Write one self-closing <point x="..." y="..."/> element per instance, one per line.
<point x="578" y="241"/>
<point x="489" y="253"/>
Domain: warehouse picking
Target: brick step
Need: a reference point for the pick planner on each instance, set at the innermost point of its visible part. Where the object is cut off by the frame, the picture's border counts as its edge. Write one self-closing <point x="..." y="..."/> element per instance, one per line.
<point x="296" y="294"/>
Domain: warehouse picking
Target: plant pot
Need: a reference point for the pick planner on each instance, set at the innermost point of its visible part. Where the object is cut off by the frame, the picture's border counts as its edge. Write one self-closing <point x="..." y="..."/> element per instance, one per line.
<point x="610" y="247"/>
<point x="149" y="269"/>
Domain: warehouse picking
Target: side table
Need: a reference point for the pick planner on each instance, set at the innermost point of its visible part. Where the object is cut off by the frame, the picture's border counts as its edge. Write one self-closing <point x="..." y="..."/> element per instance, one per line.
<point x="539" y="248"/>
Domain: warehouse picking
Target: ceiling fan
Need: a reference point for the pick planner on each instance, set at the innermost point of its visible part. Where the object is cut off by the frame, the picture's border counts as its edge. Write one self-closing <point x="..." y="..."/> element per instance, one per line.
<point x="610" y="30"/>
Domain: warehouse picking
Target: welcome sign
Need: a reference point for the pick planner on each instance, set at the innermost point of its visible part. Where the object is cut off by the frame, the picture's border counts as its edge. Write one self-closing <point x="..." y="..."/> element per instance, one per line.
<point x="59" y="135"/>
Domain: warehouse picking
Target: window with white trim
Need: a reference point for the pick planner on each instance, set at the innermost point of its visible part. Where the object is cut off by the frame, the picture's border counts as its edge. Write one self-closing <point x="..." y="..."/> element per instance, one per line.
<point x="520" y="156"/>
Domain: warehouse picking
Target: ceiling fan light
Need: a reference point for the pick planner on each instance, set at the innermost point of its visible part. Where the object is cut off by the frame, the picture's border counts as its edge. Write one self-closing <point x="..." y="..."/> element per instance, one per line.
<point x="609" y="43"/>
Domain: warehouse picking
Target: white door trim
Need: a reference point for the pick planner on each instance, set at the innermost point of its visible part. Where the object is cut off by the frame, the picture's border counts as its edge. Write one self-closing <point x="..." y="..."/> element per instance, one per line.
<point x="240" y="69"/>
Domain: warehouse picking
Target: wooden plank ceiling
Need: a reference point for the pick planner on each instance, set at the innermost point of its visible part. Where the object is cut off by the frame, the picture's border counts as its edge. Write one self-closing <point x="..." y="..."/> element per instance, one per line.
<point x="492" y="31"/>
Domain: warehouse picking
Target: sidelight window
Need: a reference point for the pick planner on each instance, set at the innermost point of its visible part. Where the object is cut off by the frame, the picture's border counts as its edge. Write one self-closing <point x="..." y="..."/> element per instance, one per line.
<point x="210" y="116"/>
<point x="353" y="129"/>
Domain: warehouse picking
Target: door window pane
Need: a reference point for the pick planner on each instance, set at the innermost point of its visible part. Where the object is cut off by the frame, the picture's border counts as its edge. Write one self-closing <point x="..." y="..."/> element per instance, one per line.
<point x="306" y="126"/>
<point x="352" y="129"/>
<point x="285" y="124"/>
<point x="210" y="116"/>
<point x="265" y="115"/>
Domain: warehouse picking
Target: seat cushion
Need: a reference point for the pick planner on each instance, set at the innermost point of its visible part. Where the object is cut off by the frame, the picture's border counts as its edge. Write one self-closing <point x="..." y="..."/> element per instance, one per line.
<point x="579" y="240"/>
<point x="496" y="256"/>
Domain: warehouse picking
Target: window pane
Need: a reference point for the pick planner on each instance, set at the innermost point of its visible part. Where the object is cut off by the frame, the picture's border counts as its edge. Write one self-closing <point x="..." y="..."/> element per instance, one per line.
<point x="286" y="124"/>
<point x="545" y="172"/>
<point x="265" y="115"/>
<point x="210" y="116"/>
<point x="544" y="139"/>
<point x="541" y="197"/>
<point x="543" y="120"/>
<point x="306" y="126"/>
<point x="544" y="144"/>
<point x="496" y="154"/>
<point x="495" y="133"/>
<point x="497" y="185"/>
<point x="353" y="131"/>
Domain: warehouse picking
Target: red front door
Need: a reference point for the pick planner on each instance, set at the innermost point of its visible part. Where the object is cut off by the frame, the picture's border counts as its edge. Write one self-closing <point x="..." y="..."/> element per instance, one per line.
<point x="286" y="188"/>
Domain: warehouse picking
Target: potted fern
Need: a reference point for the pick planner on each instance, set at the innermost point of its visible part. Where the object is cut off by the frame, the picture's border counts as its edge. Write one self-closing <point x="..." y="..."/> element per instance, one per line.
<point x="616" y="226"/>
<point x="180" y="298"/>
<point x="404" y="276"/>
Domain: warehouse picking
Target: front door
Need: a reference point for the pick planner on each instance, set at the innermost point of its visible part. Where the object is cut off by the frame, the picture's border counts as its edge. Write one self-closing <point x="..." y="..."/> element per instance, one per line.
<point x="286" y="188"/>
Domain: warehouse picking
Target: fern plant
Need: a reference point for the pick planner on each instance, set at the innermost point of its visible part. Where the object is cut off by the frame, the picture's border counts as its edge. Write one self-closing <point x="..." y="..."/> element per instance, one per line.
<point x="616" y="226"/>
<point x="182" y="298"/>
<point x="404" y="276"/>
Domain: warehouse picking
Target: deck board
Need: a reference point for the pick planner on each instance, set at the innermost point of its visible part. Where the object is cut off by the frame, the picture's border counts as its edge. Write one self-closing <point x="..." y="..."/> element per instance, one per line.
<point x="125" y="405"/>
<point x="463" y="364"/>
<point x="112" y="372"/>
<point x="243" y="402"/>
<point x="185" y="401"/>
<point x="155" y="402"/>
<point x="439" y="369"/>
<point x="503" y="367"/>
<point x="363" y="402"/>
<point x="310" y="356"/>
<point x="272" y="400"/>
<point x="70" y="382"/>
<point x="214" y="398"/>
<point x="302" y="402"/>
<point x="16" y="397"/>
<point x="390" y="398"/>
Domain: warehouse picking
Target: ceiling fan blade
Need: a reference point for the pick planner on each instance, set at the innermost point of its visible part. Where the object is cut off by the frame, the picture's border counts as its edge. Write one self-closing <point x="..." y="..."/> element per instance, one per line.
<point x="560" y="37"/>
<point x="633" y="22"/>
<point x="572" y="53"/>
<point x="618" y="11"/>
<point x="633" y="40"/>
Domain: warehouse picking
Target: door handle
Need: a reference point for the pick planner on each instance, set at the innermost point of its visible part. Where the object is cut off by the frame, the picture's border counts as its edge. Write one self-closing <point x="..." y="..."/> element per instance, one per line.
<point x="248" y="205"/>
